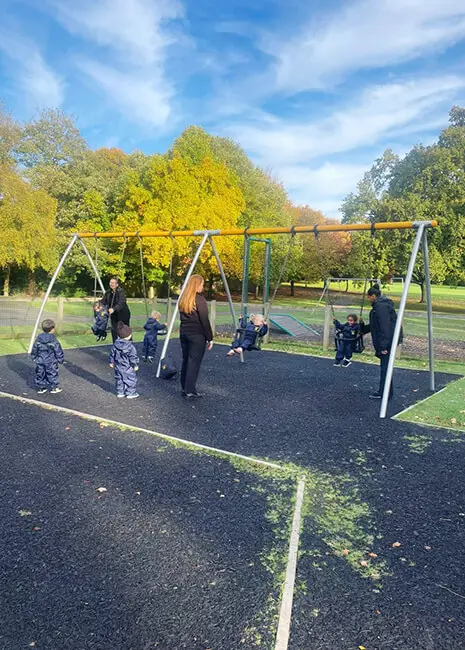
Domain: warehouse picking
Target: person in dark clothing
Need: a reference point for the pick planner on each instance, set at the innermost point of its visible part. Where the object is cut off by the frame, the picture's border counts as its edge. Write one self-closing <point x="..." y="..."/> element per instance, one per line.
<point x="115" y="300"/>
<point x="101" y="316"/>
<point x="195" y="334"/>
<point x="251" y="331"/>
<point x="47" y="354"/>
<point x="346" y="337"/>
<point x="152" y="328"/>
<point x="382" y="323"/>
<point x="124" y="360"/>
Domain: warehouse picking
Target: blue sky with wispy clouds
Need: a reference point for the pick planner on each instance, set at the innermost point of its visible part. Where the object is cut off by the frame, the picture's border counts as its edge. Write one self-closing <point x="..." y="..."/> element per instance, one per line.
<point x="312" y="90"/>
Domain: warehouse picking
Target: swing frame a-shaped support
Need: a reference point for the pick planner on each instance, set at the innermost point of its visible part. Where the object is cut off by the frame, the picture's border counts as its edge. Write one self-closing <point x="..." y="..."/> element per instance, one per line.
<point x="207" y="236"/>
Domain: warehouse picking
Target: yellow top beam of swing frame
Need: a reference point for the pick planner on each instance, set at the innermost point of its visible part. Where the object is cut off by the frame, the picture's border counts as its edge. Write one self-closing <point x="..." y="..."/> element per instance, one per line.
<point x="390" y="225"/>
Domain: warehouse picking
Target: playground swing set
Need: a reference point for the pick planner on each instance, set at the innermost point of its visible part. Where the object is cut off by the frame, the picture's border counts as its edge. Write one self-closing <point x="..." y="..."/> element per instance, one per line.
<point x="421" y="241"/>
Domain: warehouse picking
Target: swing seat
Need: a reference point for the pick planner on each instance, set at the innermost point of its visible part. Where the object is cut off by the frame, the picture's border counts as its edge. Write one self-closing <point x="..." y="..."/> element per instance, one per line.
<point x="359" y="345"/>
<point x="257" y="345"/>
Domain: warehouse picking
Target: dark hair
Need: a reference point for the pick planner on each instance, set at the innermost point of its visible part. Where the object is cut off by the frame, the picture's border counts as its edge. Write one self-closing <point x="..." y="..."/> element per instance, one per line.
<point x="353" y="316"/>
<point x="374" y="290"/>
<point x="113" y="278"/>
<point x="48" y="325"/>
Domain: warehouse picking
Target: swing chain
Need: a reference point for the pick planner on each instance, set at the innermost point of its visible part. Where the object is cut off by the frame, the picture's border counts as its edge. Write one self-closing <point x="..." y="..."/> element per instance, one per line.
<point x="170" y="274"/>
<point x="282" y="270"/>
<point x="142" y="273"/>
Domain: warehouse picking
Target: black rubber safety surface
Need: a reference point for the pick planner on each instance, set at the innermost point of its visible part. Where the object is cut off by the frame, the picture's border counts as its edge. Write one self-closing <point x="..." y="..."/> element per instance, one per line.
<point x="407" y="481"/>
<point x="168" y="556"/>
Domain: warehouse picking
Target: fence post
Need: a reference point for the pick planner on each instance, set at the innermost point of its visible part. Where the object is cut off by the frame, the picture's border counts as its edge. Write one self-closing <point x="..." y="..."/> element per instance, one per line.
<point x="399" y="351"/>
<point x="60" y="314"/>
<point x="213" y="316"/>
<point x="327" y="326"/>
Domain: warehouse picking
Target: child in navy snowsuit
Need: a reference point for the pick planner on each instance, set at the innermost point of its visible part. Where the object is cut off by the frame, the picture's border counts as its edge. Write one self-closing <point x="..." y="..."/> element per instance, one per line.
<point x="255" y="328"/>
<point x="101" y="315"/>
<point x="346" y="337"/>
<point x="124" y="360"/>
<point x="152" y="328"/>
<point x="47" y="354"/>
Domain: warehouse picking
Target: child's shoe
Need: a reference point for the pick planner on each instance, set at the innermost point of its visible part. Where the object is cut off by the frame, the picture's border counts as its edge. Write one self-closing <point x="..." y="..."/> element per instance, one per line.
<point x="133" y="396"/>
<point x="337" y="364"/>
<point x="150" y="359"/>
<point x="230" y="353"/>
<point x="346" y="363"/>
<point x="41" y="391"/>
<point x="56" y="390"/>
<point x="120" y="395"/>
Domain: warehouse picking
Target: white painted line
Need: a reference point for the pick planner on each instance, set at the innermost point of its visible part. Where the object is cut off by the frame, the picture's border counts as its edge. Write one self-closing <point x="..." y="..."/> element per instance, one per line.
<point x="131" y="427"/>
<point x="422" y="401"/>
<point x="285" y="613"/>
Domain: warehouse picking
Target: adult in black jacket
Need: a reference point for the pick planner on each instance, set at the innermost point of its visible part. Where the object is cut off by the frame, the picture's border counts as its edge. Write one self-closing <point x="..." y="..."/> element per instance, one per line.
<point x="115" y="300"/>
<point x="195" y="333"/>
<point x="383" y="320"/>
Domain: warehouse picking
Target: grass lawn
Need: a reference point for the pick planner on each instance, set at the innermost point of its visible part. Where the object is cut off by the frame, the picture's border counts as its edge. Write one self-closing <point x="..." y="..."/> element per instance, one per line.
<point x="444" y="409"/>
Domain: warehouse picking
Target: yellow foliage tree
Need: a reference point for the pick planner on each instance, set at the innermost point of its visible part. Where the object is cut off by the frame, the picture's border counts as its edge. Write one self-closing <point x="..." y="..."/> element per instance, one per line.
<point x="27" y="221"/>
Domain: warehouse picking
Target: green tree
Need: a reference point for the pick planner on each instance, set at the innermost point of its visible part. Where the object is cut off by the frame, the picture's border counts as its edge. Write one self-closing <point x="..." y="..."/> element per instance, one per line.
<point x="27" y="220"/>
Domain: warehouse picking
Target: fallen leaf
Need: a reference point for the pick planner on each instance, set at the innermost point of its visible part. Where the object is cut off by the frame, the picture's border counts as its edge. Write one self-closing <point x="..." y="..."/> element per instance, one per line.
<point x="345" y="551"/>
<point x="363" y="563"/>
<point x="24" y="513"/>
<point x="378" y="612"/>
<point x="361" y="647"/>
<point x="453" y="420"/>
<point x="427" y="548"/>
<point x="372" y="555"/>
<point x="138" y="493"/>
<point x="35" y="528"/>
<point x="396" y="544"/>
<point x="101" y="489"/>
<point x="103" y="425"/>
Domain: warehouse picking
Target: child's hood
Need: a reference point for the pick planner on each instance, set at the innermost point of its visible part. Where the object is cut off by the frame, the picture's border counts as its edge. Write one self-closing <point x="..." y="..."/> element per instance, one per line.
<point x="46" y="337"/>
<point x="123" y="346"/>
<point x="151" y="321"/>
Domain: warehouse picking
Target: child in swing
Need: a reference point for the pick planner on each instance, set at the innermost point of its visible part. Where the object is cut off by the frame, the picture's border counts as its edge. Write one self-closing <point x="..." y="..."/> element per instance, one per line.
<point x="346" y="337"/>
<point x="101" y="316"/>
<point x="255" y="328"/>
<point x="152" y="328"/>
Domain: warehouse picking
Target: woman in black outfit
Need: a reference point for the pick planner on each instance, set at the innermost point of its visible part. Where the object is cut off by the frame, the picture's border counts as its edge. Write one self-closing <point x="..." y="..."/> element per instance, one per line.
<point x="195" y="334"/>
<point x="115" y="300"/>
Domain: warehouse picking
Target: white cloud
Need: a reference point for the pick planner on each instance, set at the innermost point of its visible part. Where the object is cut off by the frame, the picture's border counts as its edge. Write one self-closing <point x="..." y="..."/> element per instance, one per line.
<point x="381" y="113"/>
<point x="141" y="99"/>
<point x="363" y="34"/>
<point x="137" y="28"/>
<point x="28" y="69"/>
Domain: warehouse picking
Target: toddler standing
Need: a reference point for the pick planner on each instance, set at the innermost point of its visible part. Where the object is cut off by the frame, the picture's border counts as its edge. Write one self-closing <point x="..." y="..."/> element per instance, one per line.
<point x="47" y="354"/>
<point x="124" y="360"/>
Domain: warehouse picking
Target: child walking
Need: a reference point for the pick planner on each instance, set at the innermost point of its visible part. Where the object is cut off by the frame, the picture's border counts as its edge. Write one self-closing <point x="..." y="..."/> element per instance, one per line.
<point x="346" y="337"/>
<point x="47" y="354"/>
<point x="152" y="328"/>
<point x="256" y="327"/>
<point x="101" y="316"/>
<point x="124" y="360"/>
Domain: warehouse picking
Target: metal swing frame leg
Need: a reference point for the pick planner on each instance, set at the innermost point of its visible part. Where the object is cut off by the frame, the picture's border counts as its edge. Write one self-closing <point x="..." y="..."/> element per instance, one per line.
<point x="175" y="310"/>
<point x="49" y="289"/>
<point x="225" y="283"/>
<point x="420" y="239"/>
<point x="93" y="265"/>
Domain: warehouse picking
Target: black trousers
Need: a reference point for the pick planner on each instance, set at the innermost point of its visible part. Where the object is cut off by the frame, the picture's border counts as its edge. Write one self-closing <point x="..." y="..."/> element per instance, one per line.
<point x="114" y="323"/>
<point x="193" y="348"/>
<point x="383" y="365"/>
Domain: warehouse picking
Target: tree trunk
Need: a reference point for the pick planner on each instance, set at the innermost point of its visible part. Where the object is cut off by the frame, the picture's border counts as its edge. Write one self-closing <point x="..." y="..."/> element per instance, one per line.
<point x="257" y="292"/>
<point x="209" y="288"/>
<point x="31" y="283"/>
<point x="292" y="289"/>
<point x="6" y="281"/>
<point x="422" y="287"/>
<point x="347" y="286"/>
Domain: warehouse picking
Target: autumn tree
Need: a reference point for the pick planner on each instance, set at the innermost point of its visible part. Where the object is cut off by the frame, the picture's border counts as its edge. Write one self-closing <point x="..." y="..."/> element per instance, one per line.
<point x="27" y="220"/>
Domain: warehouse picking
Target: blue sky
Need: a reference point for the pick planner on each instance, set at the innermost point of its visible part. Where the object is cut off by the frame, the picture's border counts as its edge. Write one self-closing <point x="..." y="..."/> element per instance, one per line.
<point x="313" y="90"/>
